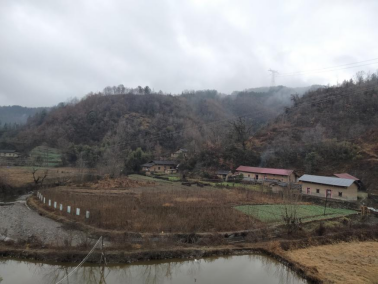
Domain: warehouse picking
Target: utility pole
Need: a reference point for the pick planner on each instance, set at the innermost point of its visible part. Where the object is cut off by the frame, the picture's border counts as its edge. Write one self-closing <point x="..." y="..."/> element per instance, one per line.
<point x="274" y="74"/>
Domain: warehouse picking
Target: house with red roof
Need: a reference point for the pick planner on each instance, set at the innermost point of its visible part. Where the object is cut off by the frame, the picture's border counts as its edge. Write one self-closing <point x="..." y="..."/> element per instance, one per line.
<point x="261" y="174"/>
<point x="357" y="181"/>
<point x="347" y="176"/>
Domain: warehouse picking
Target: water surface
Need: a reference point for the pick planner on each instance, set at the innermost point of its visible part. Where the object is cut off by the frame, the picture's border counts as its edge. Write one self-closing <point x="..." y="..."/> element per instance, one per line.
<point x="221" y="270"/>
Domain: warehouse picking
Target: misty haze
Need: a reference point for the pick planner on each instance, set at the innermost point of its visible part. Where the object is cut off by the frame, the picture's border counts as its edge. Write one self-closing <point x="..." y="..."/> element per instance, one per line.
<point x="194" y="141"/>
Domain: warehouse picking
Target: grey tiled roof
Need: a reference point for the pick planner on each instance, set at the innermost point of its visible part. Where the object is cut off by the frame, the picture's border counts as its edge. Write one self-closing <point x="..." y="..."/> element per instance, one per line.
<point x="327" y="180"/>
<point x="7" y="151"/>
<point x="163" y="162"/>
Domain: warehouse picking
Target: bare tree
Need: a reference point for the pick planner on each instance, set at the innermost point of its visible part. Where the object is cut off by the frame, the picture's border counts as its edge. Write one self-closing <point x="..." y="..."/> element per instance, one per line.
<point x="38" y="179"/>
<point x="290" y="210"/>
<point x="81" y="164"/>
<point x="241" y="132"/>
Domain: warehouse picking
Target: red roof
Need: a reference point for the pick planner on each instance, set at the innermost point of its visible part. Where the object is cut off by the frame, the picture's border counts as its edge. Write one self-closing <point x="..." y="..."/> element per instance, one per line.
<point x="281" y="172"/>
<point x="347" y="176"/>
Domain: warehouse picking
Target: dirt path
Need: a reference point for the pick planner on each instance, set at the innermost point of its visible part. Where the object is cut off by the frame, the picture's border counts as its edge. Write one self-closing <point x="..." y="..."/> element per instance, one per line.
<point x="18" y="222"/>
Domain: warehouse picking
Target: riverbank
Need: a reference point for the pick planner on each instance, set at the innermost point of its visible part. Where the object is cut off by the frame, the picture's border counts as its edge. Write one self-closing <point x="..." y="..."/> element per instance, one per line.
<point x="283" y="250"/>
<point x="122" y="256"/>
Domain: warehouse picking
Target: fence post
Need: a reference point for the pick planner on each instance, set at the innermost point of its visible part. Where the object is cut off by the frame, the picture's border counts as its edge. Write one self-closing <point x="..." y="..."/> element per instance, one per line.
<point x="77" y="211"/>
<point x="68" y="209"/>
<point x="49" y="202"/>
<point x="87" y="214"/>
<point x="44" y="199"/>
<point x="61" y="207"/>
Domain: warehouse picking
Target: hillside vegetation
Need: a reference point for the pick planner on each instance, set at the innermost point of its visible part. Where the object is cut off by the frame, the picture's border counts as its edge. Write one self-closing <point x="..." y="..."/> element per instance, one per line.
<point x="106" y="126"/>
<point x="326" y="131"/>
<point x="10" y="115"/>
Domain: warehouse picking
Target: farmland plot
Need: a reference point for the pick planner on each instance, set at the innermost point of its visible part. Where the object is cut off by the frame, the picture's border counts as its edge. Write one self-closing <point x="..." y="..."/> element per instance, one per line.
<point x="273" y="213"/>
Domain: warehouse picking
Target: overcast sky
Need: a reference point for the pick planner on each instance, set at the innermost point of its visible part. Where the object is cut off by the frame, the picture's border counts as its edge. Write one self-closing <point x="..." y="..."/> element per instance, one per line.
<point x="51" y="50"/>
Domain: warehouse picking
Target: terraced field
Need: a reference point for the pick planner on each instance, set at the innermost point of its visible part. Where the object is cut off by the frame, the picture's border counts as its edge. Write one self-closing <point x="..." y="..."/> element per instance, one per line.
<point x="48" y="157"/>
<point x="273" y="213"/>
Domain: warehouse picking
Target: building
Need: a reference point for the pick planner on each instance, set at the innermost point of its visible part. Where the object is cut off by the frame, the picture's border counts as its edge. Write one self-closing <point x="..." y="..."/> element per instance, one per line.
<point x="280" y="186"/>
<point x="179" y="153"/>
<point x="329" y="187"/>
<point x="347" y="176"/>
<point x="160" y="167"/>
<point x="356" y="180"/>
<point x="9" y="154"/>
<point x="263" y="174"/>
<point x="223" y="174"/>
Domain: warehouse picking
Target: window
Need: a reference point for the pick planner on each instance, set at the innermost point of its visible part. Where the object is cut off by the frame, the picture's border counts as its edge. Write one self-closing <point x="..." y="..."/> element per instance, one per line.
<point x="340" y="194"/>
<point x="249" y="175"/>
<point x="158" y="168"/>
<point x="317" y="190"/>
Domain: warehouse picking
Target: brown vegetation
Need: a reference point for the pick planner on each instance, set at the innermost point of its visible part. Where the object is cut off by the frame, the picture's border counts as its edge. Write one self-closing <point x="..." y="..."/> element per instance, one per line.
<point x="23" y="176"/>
<point x="119" y="183"/>
<point x="354" y="262"/>
<point x="156" y="209"/>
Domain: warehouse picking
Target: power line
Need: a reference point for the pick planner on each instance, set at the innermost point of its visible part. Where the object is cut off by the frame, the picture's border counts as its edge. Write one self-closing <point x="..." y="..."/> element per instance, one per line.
<point x="332" y="67"/>
<point x="329" y="70"/>
<point x="336" y="94"/>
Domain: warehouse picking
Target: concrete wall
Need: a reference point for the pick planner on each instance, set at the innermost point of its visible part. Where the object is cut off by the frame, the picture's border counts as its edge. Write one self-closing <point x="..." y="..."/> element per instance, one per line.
<point x="349" y="193"/>
<point x="251" y="176"/>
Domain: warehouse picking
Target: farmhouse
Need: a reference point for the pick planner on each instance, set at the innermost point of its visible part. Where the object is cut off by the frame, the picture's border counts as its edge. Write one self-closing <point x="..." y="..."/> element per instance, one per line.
<point x="223" y="174"/>
<point x="9" y="153"/>
<point x="181" y="152"/>
<point x="330" y="187"/>
<point x="262" y="174"/>
<point x="356" y="180"/>
<point x="160" y="167"/>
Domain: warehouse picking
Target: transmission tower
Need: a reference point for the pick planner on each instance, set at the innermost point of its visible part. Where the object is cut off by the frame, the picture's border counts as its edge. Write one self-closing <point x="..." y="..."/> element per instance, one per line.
<point x="274" y="74"/>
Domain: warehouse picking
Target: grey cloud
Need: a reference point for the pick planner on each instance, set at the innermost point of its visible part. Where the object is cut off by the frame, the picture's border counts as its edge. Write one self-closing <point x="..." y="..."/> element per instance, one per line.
<point x="53" y="50"/>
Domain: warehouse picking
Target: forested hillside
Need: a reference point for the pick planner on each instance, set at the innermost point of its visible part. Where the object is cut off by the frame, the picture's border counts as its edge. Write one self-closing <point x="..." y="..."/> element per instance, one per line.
<point x="10" y="115"/>
<point x="329" y="130"/>
<point x="119" y="121"/>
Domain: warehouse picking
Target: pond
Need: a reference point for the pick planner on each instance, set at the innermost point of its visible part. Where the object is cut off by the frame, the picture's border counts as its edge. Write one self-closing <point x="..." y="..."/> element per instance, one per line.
<point x="220" y="270"/>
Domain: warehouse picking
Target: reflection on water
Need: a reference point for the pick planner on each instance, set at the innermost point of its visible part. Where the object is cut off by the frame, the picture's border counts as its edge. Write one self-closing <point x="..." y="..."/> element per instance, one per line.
<point x="223" y="270"/>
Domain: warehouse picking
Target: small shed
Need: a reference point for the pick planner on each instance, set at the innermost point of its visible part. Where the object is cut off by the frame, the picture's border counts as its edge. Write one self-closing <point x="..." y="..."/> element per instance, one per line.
<point x="223" y="174"/>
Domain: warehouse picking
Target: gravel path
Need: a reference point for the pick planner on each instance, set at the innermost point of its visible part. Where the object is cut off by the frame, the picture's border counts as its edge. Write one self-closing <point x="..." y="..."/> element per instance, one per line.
<point x="18" y="222"/>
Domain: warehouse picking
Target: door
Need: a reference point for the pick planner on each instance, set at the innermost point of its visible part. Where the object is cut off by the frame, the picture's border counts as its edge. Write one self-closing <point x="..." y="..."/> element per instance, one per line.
<point x="329" y="193"/>
<point x="256" y="177"/>
<point x="308" y="190"/>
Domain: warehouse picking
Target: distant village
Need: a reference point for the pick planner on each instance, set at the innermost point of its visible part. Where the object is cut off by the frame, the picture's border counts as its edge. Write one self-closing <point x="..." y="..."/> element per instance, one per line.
<point x="341" y="186"/>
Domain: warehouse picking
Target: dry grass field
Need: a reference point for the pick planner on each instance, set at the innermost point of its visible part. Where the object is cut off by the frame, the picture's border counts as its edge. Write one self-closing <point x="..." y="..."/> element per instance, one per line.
<point x="153" y="208"/>
<point x="22" y="176"/>
<point x="355" y="262"/>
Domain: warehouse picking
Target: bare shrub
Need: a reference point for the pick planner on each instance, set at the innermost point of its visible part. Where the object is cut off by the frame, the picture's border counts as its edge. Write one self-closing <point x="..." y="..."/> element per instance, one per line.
<point x="289" y="212"/>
